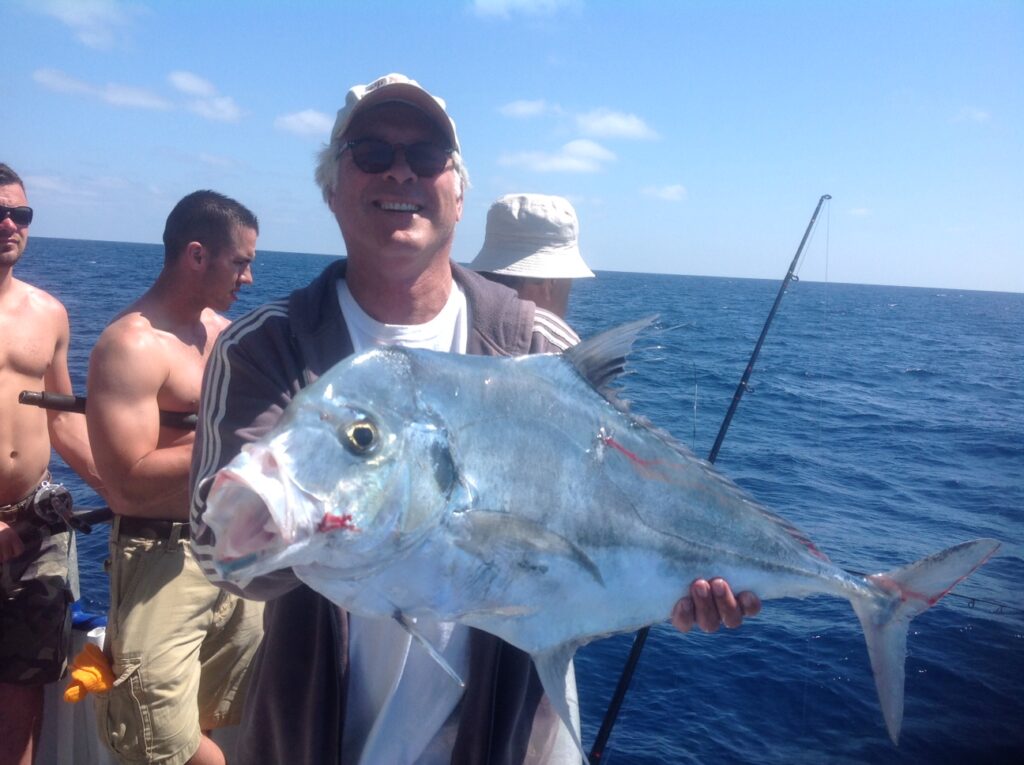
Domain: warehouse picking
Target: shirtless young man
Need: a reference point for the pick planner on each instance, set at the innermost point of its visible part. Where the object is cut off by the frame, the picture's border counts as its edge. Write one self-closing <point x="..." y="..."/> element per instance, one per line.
<point x="179" y="646"/>
<point x="35" y="621"/>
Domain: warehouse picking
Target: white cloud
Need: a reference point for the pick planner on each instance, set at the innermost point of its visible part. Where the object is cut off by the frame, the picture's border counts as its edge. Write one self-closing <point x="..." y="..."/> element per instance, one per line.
<point x="111" y="93"/>
<point x="219" y="109"/>
<point x="208" y="103"/>
<point x="525" y="109"/>
<point x="506" y="8"/>
<point x="671" y="193"/>
<point x="191" y="84"/>
<point x="84" y="190"/>
<point x="211" y="106"/>
<point x="972" y="114"/>
<point x="859" y="212"/>
<point x="307" y="123"/>
<point x="579" y="156"/>
<point x="605" y="123"/>
<point x="54" y="79"/>
<point x="126" y="95"/>
<point x="96" y="23"/>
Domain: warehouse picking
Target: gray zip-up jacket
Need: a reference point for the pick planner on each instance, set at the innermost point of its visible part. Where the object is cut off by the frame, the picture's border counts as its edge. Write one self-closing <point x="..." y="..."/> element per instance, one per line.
<point x="296" y="697"/>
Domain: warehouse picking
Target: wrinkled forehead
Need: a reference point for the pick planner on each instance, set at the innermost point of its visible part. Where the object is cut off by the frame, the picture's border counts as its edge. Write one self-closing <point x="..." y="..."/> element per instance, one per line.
<point x="397" y="122"/>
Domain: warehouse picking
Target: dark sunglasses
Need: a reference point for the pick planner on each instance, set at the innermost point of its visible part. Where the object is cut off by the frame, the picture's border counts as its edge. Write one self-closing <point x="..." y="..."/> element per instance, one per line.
<point x="21" y="216"/>
<point x="372" y="155"/>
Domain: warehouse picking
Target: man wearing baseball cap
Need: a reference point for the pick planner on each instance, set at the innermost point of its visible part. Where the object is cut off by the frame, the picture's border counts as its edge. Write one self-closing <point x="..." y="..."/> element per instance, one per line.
<point x="531" y="244"/>
<point x="330" y="686"/>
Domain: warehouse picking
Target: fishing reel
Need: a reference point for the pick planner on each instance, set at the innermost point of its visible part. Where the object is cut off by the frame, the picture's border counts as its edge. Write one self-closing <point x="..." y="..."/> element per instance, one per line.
<point x="52" y="504"/>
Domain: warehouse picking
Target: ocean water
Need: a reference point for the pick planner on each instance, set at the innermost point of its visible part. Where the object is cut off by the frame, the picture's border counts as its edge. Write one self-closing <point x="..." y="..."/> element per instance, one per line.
<point x="887" y="423"/>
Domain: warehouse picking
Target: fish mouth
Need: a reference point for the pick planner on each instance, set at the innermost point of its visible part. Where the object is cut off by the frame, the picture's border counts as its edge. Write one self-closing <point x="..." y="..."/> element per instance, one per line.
<point x="249" y="528"/>
<point x="256" y="513"/>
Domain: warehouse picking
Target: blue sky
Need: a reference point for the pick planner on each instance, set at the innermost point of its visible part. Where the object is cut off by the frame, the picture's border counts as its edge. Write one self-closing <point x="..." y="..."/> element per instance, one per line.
<point x="693" y="137"/>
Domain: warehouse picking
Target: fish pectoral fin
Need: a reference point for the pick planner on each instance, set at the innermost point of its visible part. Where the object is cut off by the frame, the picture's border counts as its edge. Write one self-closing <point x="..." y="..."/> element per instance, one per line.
<point x="410" y="626"/>
<point x="553" y="667"/>
<point x="488" y="532"/>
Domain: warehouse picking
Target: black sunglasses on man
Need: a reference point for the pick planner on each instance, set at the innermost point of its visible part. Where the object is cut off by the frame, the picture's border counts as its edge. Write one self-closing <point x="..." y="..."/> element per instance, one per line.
<point x="371" y="155"/>
<point x="22" y="216"/>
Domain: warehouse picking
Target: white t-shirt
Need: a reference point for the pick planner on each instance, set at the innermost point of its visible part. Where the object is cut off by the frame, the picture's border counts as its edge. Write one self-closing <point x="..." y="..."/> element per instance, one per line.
<point x="400" y="701"/>
<point x="448" y="331"/>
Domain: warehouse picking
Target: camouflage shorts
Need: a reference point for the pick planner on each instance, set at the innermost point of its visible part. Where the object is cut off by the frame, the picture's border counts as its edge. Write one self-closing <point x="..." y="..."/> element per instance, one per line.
<point x="35" y="614"/>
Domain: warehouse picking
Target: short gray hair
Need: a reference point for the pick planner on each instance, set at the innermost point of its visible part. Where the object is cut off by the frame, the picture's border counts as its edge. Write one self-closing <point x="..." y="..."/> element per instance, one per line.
<point x="326" y="174"/>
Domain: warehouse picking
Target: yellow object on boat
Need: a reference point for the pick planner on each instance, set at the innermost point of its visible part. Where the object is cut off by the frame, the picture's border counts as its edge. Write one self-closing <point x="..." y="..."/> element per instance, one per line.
<point x="90" y="673"/>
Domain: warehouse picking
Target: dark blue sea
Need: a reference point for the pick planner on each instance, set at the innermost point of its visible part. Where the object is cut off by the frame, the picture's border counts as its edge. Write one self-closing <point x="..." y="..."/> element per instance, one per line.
<point x="886" y="422"/>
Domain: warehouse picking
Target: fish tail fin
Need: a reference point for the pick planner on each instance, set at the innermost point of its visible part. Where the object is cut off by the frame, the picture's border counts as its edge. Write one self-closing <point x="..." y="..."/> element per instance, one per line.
<point x="898" y="596"/>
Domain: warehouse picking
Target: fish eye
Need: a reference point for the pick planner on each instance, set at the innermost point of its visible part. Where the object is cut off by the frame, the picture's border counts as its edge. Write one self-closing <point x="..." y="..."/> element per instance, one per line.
<point x="360" y="437"/>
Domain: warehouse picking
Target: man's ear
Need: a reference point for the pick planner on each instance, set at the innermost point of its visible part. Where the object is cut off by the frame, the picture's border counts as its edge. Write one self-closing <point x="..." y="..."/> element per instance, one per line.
<point x="195" y="253"/>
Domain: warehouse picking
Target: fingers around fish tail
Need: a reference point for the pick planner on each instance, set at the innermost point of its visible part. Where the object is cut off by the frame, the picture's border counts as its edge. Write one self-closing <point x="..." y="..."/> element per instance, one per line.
<point x="894" y="599"/>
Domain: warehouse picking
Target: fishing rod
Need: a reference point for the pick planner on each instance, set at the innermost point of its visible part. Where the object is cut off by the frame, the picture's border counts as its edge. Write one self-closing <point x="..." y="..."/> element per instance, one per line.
<point x="612" y="713"/>
<point x="55" y="506"/>
<point x="63" y="403"/>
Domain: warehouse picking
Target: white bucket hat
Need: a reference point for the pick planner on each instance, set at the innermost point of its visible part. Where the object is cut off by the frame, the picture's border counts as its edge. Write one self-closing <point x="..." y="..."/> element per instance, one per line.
<point x="534" y="236"/>
<point x="394" y="87"/>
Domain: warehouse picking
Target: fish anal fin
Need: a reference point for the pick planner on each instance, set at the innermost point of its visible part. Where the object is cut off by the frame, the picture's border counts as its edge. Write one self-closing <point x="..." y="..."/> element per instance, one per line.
<point x="552" y="668"/>
<point x="410" y="626"/>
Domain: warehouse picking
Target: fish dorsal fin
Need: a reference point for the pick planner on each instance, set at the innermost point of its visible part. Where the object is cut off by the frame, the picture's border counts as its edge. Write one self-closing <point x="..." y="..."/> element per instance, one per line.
<point x="601" y="359"/>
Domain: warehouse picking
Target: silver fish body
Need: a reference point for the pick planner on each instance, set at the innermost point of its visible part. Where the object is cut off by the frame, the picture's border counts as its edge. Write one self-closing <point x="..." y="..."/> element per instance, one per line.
<point x="516" y="495"/>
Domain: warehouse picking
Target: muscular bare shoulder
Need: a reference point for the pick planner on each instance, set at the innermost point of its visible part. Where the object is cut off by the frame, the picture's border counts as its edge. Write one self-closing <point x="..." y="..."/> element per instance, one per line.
<point x="130" y="346"/>
<point x="127" y="332"/>
<point x="156" y="361"/>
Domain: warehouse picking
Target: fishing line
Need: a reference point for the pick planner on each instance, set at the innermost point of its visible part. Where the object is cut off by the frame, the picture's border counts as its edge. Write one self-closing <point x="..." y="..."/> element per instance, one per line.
<point x="1000" y="608"/>
<point x="694" y="444"/>
<point x="827" y="309"/>
<point x="970" y="601"/>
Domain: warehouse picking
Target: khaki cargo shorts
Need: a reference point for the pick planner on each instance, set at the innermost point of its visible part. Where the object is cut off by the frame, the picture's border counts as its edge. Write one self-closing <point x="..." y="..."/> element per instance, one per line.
<point x="180" y="651"/>
<point x="35" y="614"/>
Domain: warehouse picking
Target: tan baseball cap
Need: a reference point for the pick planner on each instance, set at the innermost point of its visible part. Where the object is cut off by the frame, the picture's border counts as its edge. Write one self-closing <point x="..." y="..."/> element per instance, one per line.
<point x="534" y="236"/>
<point x="394" y="87"/>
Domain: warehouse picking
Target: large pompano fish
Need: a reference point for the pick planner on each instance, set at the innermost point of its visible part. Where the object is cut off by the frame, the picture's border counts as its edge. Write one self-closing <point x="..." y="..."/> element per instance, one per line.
<point x="518" y="496"/>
